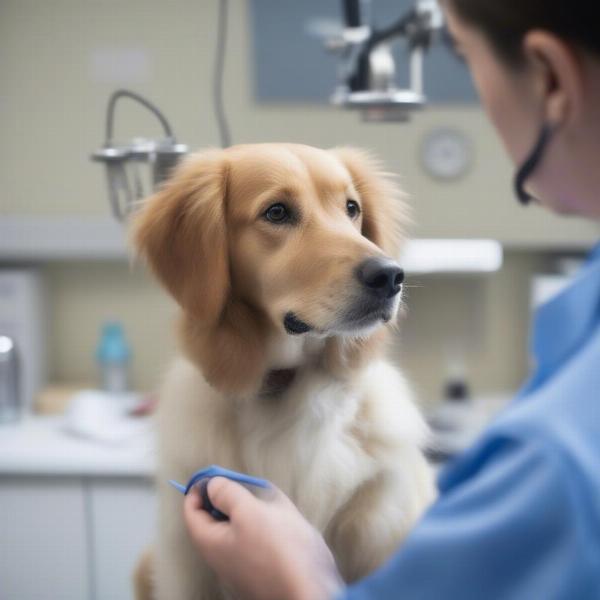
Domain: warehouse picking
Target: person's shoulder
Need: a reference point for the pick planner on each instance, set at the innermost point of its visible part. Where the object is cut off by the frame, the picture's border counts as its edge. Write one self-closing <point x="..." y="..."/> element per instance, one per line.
<point x="564" y="413"/>
<point x="526" y="445"/>
<point x="495" y="450"/>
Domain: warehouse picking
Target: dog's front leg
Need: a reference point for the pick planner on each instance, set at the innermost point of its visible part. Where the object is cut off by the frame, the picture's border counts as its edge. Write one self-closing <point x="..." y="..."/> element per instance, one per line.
<point x="374" y="523"/>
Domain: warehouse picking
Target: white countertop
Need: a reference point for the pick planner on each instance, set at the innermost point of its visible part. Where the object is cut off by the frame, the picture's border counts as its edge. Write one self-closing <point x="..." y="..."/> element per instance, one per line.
<point x="39" y="446"/>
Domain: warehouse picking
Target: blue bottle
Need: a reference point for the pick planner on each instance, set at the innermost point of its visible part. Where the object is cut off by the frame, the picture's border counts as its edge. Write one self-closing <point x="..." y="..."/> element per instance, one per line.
<point x="113" y="356"/>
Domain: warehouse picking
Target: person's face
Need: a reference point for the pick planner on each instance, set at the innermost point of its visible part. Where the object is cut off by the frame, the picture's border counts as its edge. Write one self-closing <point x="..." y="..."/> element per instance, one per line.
<point x="515" y="100"/>
<point x="503" y="92"/>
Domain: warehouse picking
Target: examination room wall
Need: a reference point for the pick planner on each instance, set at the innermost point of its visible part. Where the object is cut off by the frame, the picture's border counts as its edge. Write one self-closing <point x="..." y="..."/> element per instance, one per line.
<point x="479" y="323"/>
<point x="60" y="61"/>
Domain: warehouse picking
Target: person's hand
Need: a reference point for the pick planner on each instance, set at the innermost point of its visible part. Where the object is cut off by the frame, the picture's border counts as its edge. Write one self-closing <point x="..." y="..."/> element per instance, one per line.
<point x="267" y="550"/>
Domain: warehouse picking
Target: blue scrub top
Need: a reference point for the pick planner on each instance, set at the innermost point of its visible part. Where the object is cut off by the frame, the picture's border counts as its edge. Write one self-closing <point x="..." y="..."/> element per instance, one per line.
<point x="518" y="515"/>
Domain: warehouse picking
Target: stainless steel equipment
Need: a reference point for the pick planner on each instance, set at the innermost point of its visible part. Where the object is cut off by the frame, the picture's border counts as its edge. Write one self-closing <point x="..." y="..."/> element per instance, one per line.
<point x="367" y="83"/>
<point x="368" y="72"/>
<point x="127" y="164"/>
<point x="22" y="339"/>
<point x="10" y="406"/>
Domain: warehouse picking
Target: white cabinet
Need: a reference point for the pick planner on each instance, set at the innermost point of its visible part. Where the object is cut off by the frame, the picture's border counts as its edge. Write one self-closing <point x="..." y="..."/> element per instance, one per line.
<point x="122" y="525"/>
<point x="72" y="537"/>
<point x="43" y="544"/>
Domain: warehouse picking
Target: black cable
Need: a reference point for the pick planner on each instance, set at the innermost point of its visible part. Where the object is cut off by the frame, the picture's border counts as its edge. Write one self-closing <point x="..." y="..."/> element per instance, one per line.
<point x="110" y="113"/>
<point x="531" y="163"/>
<point x="352" y="12"/>
<point x="219" y="70"/>
<point x="399" y="27"/>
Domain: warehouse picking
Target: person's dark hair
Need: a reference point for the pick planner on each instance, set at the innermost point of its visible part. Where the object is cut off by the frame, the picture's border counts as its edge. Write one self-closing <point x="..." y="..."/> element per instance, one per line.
<point x="505" y="22"/>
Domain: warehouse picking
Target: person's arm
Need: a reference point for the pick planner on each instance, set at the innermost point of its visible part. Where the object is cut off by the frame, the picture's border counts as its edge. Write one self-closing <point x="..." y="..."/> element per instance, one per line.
<point x="267" y="550"/>
<point x="508" y="526"/>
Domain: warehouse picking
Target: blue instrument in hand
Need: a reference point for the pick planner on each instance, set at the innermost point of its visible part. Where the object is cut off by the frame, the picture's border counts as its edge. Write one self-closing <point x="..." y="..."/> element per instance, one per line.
<point x="202" y="478"/>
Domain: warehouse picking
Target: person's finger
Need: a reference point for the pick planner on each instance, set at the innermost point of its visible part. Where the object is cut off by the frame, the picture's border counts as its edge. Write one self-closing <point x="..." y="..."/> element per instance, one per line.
<point x="192" y="505"/>
<point x="271" y="494"/>
<point x="194" y="496"/>
<point x="274" y="494"/>
<point x="226" y="495"/>
<point x="202" y="526"/>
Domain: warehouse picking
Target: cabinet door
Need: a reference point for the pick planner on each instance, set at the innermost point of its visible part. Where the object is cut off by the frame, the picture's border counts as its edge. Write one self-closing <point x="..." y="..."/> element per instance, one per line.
<point x="43" y="551"/>
<point x="123" y="525"/>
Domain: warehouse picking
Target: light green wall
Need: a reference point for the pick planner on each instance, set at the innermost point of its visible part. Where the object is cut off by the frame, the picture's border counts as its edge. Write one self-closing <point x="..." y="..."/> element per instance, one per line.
<point x="53" y="97"/>
<point x="484" y="319"/>
<point x="479" y="322"/>
<point x="83" y="296"/>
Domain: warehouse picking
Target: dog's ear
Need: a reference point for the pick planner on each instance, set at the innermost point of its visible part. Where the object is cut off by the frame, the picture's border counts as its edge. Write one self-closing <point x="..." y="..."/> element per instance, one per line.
<point x="181" y="232"/>
<point x="385" y="212"/>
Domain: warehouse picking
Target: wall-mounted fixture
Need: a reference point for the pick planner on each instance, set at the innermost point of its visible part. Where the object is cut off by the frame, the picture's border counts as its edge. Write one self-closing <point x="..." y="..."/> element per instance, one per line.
<point x="134" y="169"/>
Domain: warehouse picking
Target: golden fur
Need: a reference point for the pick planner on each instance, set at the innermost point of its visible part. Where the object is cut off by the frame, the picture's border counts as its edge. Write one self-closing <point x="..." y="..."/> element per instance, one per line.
<point x="343" y="438"/>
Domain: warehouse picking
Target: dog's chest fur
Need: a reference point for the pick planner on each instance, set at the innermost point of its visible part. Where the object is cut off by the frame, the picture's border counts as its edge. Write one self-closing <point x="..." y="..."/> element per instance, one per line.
<point x="346" y="453"/>
<point x="303" y="440"/>
<point x="318" y="439"/>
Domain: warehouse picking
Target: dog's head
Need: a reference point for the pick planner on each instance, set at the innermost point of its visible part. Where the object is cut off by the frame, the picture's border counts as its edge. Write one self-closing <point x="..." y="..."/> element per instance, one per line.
<point x="276" y="237"/>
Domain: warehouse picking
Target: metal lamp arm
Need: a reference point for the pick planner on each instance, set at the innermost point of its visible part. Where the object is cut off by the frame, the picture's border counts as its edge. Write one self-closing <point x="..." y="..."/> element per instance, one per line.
<point x="360" y="79"/>
<point x="110" y="113"/>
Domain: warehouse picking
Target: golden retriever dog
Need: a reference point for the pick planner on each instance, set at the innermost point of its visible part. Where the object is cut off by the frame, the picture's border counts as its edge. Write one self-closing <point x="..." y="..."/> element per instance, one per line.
<point x="281" y="257"/>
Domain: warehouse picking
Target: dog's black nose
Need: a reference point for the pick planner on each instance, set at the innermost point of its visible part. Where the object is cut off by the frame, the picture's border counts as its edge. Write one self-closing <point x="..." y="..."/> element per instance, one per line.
<point x="381" y="276"/>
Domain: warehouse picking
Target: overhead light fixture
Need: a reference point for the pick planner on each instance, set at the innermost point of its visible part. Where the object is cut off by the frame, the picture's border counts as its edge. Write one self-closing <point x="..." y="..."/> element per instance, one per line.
<point x="368" y="70"/>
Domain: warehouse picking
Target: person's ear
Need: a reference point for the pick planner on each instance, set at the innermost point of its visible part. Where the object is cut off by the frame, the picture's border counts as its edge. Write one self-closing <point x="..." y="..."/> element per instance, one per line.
<point x="559" y="75"/>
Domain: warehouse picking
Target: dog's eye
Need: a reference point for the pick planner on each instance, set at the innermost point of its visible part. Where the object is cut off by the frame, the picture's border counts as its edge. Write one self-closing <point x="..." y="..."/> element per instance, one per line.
<point x="352" y="208"/>
<point x="278" y="213"/>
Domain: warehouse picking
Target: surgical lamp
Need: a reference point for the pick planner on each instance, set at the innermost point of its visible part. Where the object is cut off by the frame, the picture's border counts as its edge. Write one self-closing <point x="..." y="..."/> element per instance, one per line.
<point x="124" y="163"/>
<point x="126" y="184"/>
<point x="368" y="71"/>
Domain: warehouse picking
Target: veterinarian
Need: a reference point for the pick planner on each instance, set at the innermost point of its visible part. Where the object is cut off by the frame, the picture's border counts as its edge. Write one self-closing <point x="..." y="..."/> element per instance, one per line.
<point x="518" y="516"/>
